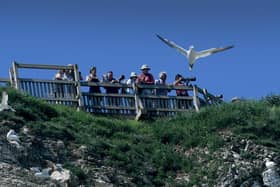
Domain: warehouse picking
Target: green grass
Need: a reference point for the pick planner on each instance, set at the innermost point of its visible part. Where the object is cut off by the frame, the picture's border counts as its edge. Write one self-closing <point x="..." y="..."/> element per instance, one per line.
<point x="146" y="151"/>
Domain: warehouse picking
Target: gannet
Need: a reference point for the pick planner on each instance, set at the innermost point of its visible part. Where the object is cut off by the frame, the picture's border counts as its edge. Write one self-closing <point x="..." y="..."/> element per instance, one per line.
<point x="44" y="174"/>
<point x="190" y="53"/>
<point x="4" y="103"/>
<point x="35" y="169"/>
<point x="13" y="138"/>
<point x="269" y="164"/>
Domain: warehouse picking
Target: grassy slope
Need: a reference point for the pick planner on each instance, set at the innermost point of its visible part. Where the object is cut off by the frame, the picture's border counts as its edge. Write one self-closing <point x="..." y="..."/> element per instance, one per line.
<point x="151" y="151"/>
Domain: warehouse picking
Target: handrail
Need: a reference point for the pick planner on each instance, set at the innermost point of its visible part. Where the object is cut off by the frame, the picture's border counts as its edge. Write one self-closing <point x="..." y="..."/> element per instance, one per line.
<point x="48" y="81"/>
<point x="4" y="80"/>
<point x="43" y="66"/>
<point x="142" y="86"/>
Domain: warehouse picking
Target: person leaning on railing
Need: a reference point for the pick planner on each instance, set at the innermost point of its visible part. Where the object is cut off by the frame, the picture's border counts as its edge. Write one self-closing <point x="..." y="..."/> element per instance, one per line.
<point x="70" y="76"/>
<point x="132" y="79"/>
<point x="180" y="81"/>
<point x="111" y="101"/>
<point x="145" y="78"/>
<point x="59" y="88"/>
<point x="93" y="78"/>
<point x="94" y="101"/>
<point x="109" y="78"/>
<point x="162" y="103"/>
<point x="161" y="81"/>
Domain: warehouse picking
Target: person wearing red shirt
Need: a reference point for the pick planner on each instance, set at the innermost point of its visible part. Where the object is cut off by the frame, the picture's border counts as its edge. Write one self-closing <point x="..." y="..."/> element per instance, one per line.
<point x="145" y="78"/>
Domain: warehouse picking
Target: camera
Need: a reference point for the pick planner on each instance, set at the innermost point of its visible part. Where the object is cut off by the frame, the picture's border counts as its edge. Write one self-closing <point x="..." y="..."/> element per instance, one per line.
<point x="188" y="79"/>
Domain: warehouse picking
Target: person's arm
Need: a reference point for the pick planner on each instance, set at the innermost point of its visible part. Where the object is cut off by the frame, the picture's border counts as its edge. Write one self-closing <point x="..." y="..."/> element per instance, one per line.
<point x="140" y="79"/>
<point x="58" y="76"/>
<point x="176" y="82"/>
<point x="150" y="79"/>
<point x="114" y="81"/>
<point x="88" y="78"/>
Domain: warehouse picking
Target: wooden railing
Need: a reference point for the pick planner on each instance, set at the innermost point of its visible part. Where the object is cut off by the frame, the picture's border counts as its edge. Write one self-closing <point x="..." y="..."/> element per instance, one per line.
<point x="4" y="81"/>
<point x="75" y="93"/>
<point x="53" y="91"/>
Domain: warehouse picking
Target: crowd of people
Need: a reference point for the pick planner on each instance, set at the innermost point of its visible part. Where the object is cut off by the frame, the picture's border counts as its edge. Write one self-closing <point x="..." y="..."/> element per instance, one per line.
<point x="144" y="78"/>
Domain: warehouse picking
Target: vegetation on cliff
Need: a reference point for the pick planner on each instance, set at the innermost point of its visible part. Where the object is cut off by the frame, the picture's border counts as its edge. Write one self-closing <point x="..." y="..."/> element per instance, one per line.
<point x="147" y="153"/>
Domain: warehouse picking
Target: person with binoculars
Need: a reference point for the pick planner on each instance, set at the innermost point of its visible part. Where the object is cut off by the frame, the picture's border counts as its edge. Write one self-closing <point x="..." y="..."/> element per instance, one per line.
<point x="181" y="81"/>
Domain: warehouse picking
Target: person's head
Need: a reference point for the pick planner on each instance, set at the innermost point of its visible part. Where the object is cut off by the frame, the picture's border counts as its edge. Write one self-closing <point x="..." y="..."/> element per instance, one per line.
<point x="162" y="75"/>
<point x="70" y="70"/>
<point x="133" y="75"/>
<point x="110" y="75"/>
<point x="92" y="70"/>
<point x="178" y="76"/>
<point x="145" y="68"/>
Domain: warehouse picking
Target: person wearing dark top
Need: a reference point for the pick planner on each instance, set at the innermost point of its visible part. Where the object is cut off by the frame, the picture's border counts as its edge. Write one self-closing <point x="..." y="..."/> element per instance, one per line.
<point x="93" y="78"/>
<point x="181" y="103"/>
<point x="110" y="79"/>
<point x="94" y="101"/>
<point x="59" y="90"/>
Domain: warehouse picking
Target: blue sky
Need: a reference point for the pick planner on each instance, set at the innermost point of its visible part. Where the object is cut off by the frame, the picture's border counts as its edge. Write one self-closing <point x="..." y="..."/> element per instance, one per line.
<point x="120" y="36"/>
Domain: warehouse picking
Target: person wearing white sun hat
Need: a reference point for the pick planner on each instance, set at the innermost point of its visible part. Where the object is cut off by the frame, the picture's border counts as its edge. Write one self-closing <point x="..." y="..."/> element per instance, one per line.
<point x="145" y="78"/>
<point x="132" y="79"/>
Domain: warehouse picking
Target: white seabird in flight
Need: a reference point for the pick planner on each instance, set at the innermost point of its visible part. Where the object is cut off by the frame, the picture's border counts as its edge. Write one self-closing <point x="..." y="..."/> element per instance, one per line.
<point x="4" y="103"/>
<point x="190" y="53"/>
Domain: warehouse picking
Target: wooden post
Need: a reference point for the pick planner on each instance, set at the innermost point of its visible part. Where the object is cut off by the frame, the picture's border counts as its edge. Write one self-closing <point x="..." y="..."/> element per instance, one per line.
<point x="11" y="75"/>
<point x="15" y="74"/>
<point x="205" y="95"/>
<point x="195" y="98"/>
<point x="78" y="87"/>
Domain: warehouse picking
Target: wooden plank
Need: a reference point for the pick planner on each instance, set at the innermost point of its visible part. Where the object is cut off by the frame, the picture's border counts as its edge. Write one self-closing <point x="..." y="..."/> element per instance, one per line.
<point x="4" y="80"/>
<point x="166" y="110"/>
<point x="59" y="99"/>
<point x="48" y="81"/>
<point x="43" y="66"/>
<point x="77" y="86"/>
<point x="166" y="97"/>
<point x="118" y="85"/>
<point x="195" y="98"/>
<point x="116" y="108"/>
<point x="107" y="95"/>
<point x="15" y="75"/>
<point x="11" y="76"/>
<point x="168" y="87"/>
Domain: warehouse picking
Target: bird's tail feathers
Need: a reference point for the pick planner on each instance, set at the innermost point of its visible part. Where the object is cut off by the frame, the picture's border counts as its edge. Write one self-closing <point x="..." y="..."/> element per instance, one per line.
<point x="15" y="143"/>
<point x="190" y="67"/>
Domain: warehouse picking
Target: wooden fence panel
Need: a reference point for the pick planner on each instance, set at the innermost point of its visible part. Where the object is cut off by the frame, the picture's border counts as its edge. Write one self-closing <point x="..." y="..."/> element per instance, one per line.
<point x="55" y="92"/>
<point x="70" y="93"/>
<point x="108" y="103"/>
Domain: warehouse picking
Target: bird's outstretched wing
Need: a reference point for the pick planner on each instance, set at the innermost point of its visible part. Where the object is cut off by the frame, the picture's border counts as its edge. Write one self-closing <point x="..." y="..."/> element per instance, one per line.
<point x="211" y="51"/>
<point x="173" y="45"/>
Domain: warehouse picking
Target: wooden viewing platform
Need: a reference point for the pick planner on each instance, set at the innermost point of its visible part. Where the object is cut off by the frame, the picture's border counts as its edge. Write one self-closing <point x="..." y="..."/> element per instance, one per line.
<point x="75" y="93"/>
